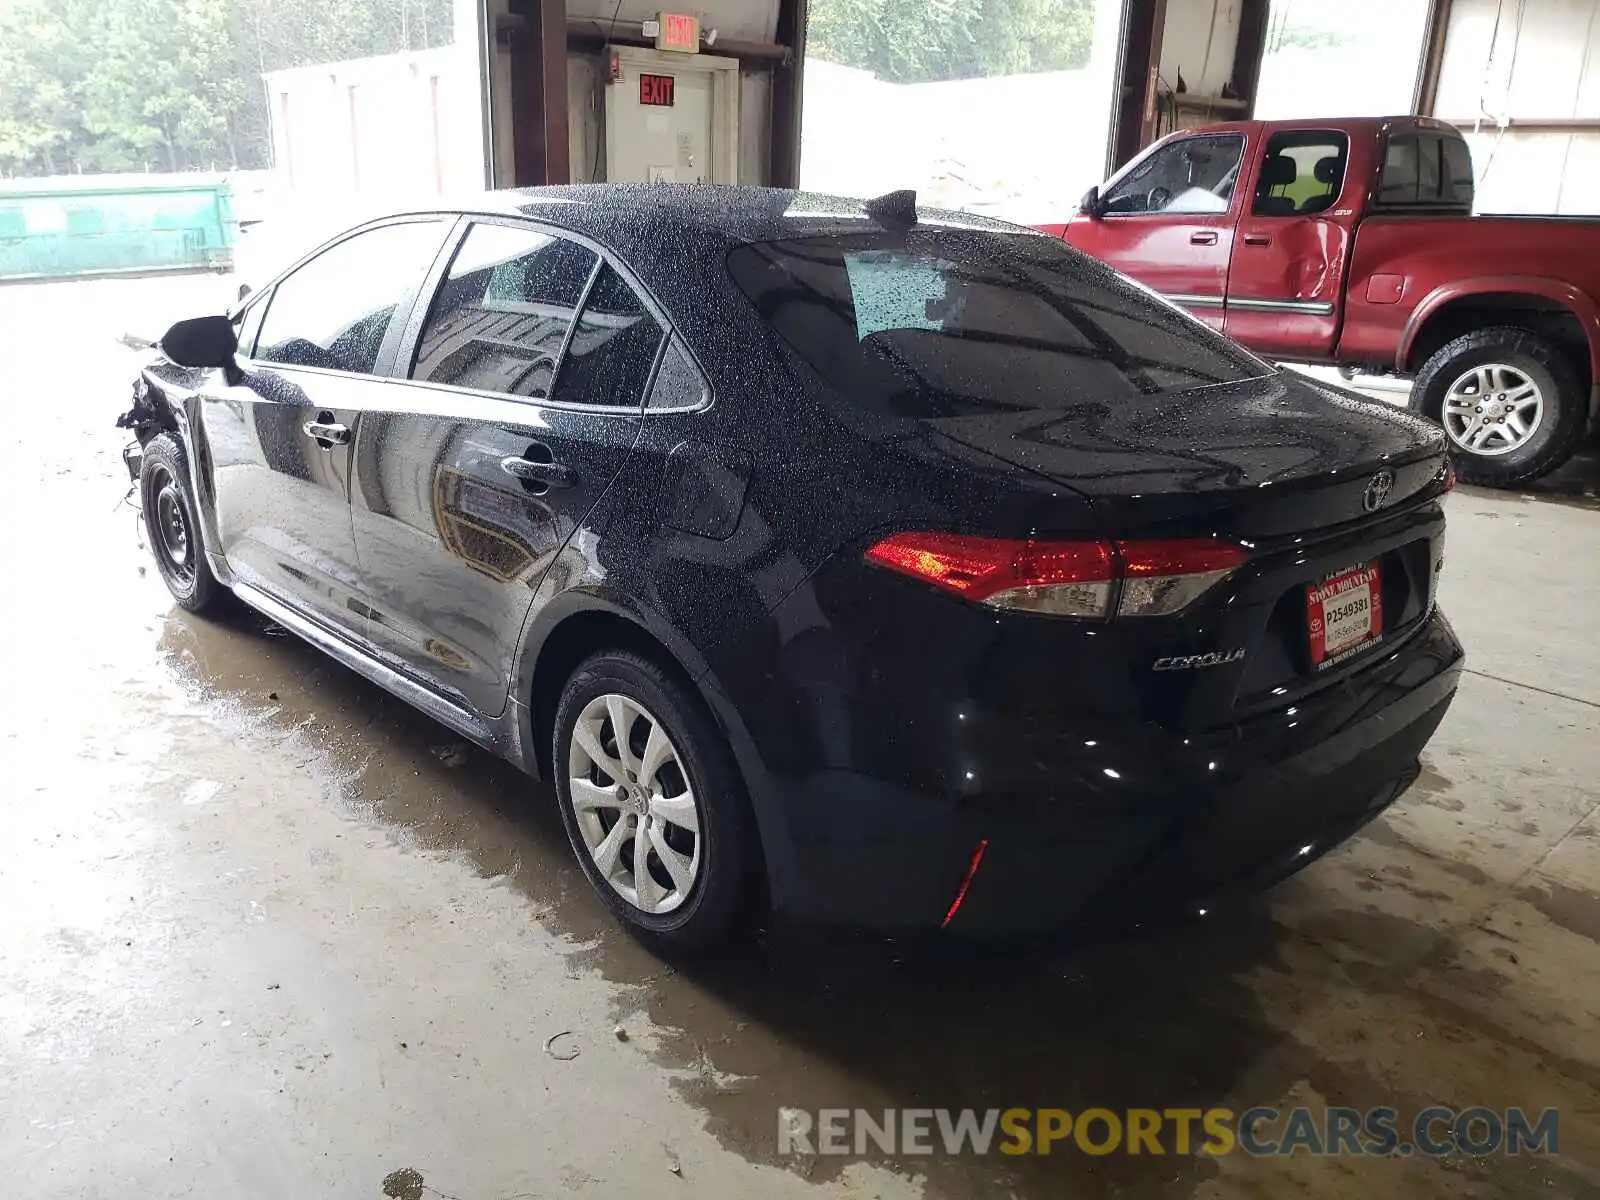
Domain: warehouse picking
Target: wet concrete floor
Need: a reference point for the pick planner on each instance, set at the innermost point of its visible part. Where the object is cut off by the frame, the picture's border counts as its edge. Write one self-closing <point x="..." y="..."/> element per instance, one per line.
<point x="265" y="932"/>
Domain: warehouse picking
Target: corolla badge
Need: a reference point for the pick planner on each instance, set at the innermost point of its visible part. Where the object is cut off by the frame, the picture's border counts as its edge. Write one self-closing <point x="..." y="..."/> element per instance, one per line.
<point x="1378" y="489"/>
<point x="1191" y="662"/>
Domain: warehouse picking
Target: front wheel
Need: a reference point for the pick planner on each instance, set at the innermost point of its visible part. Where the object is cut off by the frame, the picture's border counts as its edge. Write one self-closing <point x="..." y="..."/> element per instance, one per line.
<point x="651" y="801"/>
<point x="1510" y="403"/>
<point x="172" y="523"/>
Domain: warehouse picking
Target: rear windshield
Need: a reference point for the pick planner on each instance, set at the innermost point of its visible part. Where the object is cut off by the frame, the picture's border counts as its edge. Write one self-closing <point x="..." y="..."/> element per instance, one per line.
<point x="945" y="322"/>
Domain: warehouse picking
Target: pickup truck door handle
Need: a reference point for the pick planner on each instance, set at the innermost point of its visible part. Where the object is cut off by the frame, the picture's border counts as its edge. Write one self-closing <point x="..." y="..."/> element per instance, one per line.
<point x="1257" y="239"/>
<point x="529" y="470"/>
<point x="327" y="432"/>
<point x="1208" y="238"/>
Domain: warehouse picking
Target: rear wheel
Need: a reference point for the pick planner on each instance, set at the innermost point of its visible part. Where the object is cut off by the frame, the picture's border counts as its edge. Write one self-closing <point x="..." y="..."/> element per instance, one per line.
<point x="171" y="522"/>
<point x="651" y="801"/>
<point x="1510" y="402"/>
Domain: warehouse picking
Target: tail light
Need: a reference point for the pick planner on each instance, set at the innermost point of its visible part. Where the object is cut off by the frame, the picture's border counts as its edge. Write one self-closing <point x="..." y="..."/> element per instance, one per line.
<point x="1090" y="579"/>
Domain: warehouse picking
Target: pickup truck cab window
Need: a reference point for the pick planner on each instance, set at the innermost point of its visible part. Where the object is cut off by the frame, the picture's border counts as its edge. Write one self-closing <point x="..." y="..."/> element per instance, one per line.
<point x="1425" y="169"/>
<point x="1302" y="172"/>
<point x="1190" y="175"/>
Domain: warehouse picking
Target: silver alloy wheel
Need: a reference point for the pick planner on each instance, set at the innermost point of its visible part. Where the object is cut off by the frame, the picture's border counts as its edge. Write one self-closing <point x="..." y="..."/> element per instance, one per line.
<point x="634" y="807"/>
<point x="1492" y="409"/>
<point x="172" y="527"/>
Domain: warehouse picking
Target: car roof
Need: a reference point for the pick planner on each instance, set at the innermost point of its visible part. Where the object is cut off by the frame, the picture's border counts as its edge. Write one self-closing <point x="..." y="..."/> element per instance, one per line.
<point x="618" y="214"/>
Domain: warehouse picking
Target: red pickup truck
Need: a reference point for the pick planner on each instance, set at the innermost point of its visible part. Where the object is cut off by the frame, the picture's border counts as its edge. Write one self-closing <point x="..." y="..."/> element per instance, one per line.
<point x="1352" y="243"/>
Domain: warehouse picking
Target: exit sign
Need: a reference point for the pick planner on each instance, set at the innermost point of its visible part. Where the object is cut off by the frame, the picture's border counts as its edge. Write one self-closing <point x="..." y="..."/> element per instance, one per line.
<point x="678" y="31"/>
<point x="656" y="89"/>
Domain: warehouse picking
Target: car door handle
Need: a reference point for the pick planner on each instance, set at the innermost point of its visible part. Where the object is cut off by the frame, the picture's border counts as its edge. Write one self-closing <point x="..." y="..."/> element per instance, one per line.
<point x="1257" y="239"/>
<point x="1208" y="238"/>
<point x="528" y="470"/>
<point x="327" y="434"/>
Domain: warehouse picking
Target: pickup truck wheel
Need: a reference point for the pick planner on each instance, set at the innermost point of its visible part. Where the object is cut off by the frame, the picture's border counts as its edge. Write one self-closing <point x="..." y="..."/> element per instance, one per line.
<point x="1510" y="403"/>
<point x="171" y="522"/>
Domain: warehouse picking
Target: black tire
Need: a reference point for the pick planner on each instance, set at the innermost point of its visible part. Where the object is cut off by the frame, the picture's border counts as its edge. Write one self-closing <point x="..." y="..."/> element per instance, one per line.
<point x="1565" y="405"/>
<point x="715" y="901"/>
<point x="171" y="522"/>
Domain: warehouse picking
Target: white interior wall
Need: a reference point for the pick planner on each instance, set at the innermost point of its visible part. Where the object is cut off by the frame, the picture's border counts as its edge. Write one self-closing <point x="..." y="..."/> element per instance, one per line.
<point x="1510" y="61"/>
<point x="1540" y="62"/>
<point x="1536" y="172"/>
<point x="499" y="97"/>
<point x="755" y="124"/>
<point x="585" y="119"/>
<point x="1199" y="39"/>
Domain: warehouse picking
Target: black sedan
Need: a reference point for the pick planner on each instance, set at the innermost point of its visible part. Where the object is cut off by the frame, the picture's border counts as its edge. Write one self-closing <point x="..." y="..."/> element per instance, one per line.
<point x="898" y="568"/>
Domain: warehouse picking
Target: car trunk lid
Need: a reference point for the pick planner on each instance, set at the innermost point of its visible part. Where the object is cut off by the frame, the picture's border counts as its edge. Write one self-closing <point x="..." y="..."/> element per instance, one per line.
<point x="1259" y="458"/>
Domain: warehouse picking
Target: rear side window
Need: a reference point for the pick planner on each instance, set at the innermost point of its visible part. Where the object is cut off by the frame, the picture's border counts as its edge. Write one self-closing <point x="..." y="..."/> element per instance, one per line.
<point x="1302" y="172"/>
<point x="678" y="384"/>
<point x="333" y="311"/>
<point x="1456" y="170"/>
<point x="948" y="323"/>
<point x="613" y="348"/>
<point x="1425" y="170"/>
<point x="503" y="312"/>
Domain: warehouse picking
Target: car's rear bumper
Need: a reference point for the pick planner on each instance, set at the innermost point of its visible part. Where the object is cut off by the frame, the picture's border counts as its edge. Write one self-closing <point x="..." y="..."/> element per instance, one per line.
<point x="1156" y="819"/>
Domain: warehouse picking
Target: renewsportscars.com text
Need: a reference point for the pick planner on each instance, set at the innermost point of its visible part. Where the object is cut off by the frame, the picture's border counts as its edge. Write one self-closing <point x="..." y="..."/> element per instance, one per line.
<point x="1259" y="1131"/>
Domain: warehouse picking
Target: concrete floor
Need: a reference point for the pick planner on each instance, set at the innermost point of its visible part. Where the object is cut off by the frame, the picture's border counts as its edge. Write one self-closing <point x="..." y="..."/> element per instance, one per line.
<point x="259" y="939"/>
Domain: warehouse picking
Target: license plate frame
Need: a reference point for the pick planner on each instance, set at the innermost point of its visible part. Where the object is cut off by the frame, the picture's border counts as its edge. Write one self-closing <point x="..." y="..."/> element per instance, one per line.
<point x="1344" y="614"/>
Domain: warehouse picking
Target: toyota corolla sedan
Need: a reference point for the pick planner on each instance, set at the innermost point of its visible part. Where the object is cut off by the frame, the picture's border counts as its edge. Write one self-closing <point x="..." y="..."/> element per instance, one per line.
<point x="894" y="568"/>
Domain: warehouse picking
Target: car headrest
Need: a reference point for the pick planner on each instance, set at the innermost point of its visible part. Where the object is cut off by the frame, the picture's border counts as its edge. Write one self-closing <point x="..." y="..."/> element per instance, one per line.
<point x="1327" y="169"/>
<point x="1279" y="169"/>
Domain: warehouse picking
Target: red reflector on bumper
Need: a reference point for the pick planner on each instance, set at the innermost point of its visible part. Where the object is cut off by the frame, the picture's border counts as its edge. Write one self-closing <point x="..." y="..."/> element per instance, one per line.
<point x="966" y="881"/>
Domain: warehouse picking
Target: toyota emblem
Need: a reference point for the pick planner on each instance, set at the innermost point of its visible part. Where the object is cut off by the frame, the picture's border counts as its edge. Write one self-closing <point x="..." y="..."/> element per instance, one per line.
<point x="1378" y="489"/>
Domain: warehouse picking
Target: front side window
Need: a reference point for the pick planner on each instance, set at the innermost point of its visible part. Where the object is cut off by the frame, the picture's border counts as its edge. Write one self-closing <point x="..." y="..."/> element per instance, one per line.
<point x="613" y="348"/>
<point x="503" y="311"/>
<point x="334" y="311"/>
<point x="930" y="323"/>
<point x="1302" y="172"/>
<point x="1193" y="175"/>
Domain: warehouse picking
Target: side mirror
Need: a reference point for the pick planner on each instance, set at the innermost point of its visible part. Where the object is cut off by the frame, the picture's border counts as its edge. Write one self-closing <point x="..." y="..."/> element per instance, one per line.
<point x="244" y="290"/>
<point x="201" y="342"/>
<point x="1089" y="206"/>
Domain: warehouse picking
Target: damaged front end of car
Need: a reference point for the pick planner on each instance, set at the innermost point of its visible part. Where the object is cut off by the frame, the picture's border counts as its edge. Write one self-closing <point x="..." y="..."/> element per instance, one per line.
<point x="148" y="416"/>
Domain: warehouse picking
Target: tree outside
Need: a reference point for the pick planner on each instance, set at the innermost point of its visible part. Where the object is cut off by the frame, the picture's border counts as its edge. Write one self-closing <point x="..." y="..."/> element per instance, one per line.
<point x="173" y="85"/>
<point x="925" y="41"/>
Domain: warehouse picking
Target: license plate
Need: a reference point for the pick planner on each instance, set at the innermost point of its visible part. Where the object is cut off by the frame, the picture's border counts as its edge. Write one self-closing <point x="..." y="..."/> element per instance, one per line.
<point x="1344" y="613"/>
